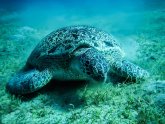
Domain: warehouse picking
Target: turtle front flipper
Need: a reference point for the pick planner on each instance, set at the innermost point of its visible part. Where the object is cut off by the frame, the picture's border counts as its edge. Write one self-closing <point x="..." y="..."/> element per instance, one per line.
<point x="28" y="81"/>
<point x="129" y="70"/>
<point x="93" y="64"/>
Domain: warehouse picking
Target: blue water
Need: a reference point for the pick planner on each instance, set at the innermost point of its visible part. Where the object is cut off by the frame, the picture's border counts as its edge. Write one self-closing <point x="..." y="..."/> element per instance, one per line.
<point x="39" y="12"/>
<point x="58" y="13"/>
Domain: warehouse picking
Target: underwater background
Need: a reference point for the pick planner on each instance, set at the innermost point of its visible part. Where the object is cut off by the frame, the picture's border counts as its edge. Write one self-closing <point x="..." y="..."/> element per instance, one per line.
<point x="138" y="25"/>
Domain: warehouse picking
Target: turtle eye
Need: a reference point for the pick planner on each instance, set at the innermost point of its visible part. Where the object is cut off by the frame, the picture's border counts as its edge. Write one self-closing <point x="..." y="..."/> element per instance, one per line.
<point x="108" y="43"/>
<point x="52" y="50"/>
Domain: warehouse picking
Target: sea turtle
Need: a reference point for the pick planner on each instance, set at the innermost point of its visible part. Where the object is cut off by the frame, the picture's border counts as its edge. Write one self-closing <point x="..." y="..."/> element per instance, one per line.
<point x="73" y="53"/>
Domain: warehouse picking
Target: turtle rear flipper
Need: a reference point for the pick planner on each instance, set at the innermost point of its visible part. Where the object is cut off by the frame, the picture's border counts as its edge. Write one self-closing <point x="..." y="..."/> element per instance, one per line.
<point x="28" y="81"/>
<point x="129" y="70"/>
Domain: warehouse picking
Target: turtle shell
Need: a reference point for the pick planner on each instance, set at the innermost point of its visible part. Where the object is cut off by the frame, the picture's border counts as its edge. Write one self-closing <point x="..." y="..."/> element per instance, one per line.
<point x="61" y="44"/>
